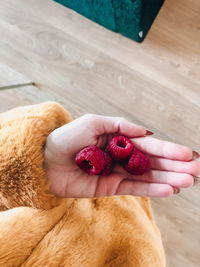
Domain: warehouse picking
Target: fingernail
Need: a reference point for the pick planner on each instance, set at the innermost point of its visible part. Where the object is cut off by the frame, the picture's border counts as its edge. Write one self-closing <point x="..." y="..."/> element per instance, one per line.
<point x="149" y="132"/>
<point x="176" y="190"/>
<point x="195" y="155"/>
<point x="196" y="180"/>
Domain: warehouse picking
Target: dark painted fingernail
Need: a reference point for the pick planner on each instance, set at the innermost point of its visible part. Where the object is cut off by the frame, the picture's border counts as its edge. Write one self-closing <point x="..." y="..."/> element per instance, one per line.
<point x="176" y="190"/>
<point x="196" y="180"/>
<point x="196" y="155"/>
<point x="149" y="132"/>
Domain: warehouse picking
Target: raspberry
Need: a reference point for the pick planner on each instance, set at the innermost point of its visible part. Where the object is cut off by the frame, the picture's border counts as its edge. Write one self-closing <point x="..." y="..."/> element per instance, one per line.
<point x="120" y="148"/>
<point x="108" y="164"/>
<point x="94" y="161"/>
<point x="138" y="163"/>
<point x="91" y="160"/>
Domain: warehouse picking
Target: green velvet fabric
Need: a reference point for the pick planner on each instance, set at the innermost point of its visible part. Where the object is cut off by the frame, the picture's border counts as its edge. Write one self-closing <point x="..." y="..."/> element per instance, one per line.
<point x="131" y="18"/>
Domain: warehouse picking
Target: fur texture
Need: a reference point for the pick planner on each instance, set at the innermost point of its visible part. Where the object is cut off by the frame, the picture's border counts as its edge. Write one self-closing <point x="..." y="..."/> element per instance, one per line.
<point x="37" y="229"/>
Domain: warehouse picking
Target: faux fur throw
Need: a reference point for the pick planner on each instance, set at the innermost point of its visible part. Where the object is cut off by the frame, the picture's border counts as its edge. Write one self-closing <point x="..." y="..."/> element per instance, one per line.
<point x="38" y="229"/>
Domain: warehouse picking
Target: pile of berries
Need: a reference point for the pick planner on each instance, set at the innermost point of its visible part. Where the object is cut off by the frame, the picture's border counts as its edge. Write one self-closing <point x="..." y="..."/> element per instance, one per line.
<point x="121" y="150"/>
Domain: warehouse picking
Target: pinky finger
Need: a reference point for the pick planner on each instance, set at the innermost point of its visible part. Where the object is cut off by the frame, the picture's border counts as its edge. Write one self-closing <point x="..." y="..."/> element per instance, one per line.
<point x="128" y="187"/>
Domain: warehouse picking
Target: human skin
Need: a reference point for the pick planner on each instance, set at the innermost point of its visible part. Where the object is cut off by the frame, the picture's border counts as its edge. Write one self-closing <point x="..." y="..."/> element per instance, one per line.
<point x="172" y="165"/>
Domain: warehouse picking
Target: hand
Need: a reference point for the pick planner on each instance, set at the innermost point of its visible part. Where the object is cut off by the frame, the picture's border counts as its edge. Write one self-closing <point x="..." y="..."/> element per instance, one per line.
<point x="172" y="164"/>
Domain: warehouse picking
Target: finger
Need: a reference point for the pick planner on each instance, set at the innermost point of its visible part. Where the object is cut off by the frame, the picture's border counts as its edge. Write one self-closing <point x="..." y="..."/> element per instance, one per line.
<point x="107" y="185"/>
<point x="127" y="187"/>
<point x="191" y="167"/>
<point x="174" y="179"/>
<point x="163" y="149"/>
<point x="112" y="125"/>
<point x="163" y="177"/>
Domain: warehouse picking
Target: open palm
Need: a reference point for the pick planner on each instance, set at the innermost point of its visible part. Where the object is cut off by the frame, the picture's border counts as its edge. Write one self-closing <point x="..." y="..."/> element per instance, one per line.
<point x="172" y="166"/>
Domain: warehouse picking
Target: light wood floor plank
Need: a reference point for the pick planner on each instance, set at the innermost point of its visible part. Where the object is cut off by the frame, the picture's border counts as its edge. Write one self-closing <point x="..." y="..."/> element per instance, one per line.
<point x="90" y="69"/>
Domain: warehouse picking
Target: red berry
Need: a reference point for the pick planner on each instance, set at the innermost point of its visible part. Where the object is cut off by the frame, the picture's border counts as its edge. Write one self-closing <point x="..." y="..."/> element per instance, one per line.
<point x="91" y="160"/>
<point x="120" y="148"/>
<point x="108" y="164"/>
<point x="138" y="163"/>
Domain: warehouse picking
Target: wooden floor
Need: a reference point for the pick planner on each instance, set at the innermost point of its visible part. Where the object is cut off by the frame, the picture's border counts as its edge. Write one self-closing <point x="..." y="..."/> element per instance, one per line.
<point x="90" y="69"/>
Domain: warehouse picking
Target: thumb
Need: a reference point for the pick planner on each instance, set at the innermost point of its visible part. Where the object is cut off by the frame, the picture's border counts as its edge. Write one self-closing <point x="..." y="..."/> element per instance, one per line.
<point x="118" y="125"/>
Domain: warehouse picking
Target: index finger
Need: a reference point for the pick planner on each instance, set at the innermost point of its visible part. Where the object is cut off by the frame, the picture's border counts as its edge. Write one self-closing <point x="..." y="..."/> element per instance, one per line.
<point x="164" y="149"/>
